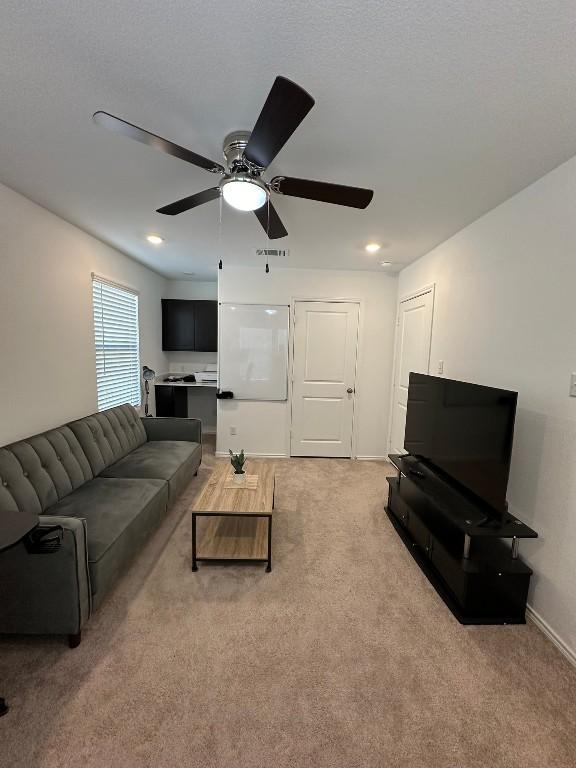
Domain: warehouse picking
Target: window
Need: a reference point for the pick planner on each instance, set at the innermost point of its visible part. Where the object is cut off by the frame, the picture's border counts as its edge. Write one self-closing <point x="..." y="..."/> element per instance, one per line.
<point x="117" y="340"/>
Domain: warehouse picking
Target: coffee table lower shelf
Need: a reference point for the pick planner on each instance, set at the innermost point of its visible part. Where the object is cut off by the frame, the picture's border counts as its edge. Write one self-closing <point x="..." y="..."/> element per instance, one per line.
<point x="222" y="537"/>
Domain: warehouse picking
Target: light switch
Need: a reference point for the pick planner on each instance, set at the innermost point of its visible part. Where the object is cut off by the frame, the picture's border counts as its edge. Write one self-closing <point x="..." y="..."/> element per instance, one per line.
<point x="440" y="366"/>
<point x="232" y="430"/>
<point x="573" y="385"/>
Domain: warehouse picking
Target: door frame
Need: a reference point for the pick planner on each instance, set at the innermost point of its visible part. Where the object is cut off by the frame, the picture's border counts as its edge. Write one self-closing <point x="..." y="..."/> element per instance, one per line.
<point x="429" y="288"/>
<point x="329" y="300"/>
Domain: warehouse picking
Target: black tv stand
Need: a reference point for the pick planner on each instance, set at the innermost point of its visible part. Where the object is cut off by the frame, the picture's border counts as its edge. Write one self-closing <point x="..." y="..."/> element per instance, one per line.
<point x="461" y="550"/>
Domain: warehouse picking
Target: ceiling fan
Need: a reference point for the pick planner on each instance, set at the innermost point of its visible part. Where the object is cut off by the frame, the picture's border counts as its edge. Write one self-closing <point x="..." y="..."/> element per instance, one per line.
<point x="247" y="156"/>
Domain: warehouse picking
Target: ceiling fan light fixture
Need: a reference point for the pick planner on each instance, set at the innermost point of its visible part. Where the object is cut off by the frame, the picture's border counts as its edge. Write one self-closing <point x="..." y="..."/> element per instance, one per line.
<point x="244" y="194"/>
<point x="248" y="154"/>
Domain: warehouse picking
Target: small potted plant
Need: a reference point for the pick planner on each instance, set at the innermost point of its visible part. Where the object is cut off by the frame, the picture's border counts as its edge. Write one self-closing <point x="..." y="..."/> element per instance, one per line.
<point x="237" y="460"/>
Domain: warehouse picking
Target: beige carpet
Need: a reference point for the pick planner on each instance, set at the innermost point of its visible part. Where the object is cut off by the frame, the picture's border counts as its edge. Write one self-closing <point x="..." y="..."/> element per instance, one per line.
<point x="342" y="656"/>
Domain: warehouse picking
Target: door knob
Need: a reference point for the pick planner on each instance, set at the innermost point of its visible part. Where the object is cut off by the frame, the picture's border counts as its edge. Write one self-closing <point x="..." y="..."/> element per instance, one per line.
<point x="349" y="390"/>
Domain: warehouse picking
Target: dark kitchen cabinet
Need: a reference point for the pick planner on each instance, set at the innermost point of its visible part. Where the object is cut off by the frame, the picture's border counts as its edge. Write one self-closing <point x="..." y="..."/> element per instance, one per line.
<point x="177" y="324"/>
<point x="189" y="325"/>
<point x="205" y="326"/>
<point x="171" y="401"/>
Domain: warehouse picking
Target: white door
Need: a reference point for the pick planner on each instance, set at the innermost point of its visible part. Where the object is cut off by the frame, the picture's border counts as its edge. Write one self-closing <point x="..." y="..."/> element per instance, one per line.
<point x="413" y="339"/>
<point x="324" y="378"/>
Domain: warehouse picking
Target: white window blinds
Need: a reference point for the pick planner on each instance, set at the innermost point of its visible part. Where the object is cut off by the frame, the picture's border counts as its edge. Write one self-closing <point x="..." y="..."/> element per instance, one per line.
<point x="117" y="341"/>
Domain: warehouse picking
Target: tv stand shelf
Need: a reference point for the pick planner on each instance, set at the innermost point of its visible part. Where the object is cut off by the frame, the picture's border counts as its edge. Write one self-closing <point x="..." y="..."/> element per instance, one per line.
<point x="461" y="550"/>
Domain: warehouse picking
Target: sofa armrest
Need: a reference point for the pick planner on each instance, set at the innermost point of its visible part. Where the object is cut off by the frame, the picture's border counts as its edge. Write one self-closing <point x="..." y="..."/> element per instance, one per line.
<point x="172" y="428"/>
<point x="48" y="592"/>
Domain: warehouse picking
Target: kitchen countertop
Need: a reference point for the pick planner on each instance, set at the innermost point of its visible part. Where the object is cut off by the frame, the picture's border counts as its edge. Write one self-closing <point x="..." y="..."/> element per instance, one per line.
<point x="159" y="382"/>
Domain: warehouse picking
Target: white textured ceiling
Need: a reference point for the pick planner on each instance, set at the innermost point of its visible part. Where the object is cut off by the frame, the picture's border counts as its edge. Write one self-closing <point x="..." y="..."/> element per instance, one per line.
<point x="444" y="107"/>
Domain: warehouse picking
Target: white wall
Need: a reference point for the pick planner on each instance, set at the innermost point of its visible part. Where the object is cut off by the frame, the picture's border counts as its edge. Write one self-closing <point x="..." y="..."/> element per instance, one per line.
<point x="48" y="371"/>
<point x="263" y="427"/>
<point x="188" y="362"/>
<point x="506" y="316"/>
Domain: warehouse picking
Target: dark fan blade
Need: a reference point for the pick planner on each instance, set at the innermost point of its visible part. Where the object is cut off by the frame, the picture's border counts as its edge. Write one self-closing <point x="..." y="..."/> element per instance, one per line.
<point x="157" y="142"/>
<point x="354" y="197"/>
<point x="285" y="108"/>
<point x="271" y="223"/>
<point x="190" y="202"/>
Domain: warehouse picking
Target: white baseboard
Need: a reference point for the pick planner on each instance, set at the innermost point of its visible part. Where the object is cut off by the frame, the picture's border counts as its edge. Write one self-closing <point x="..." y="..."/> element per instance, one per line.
<point x="546" y="629"/>
<point x="225" y="455"/>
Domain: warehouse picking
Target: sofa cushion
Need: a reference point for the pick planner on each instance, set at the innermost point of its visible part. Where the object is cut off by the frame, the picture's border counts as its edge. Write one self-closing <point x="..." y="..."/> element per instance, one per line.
<point x="36" y="473"/>
<point x="172" y="460"/>
<point x="109" y="435"/>
<point x="120" y="515"/>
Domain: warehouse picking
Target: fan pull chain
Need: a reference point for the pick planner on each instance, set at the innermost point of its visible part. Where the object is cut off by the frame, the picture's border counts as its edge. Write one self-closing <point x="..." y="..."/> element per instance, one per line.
<point x="268" y="233"/>
<point x="220" y="230"/>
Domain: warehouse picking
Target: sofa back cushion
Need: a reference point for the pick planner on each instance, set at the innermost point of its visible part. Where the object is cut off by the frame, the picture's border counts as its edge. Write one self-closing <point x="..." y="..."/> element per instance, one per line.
<point x="107" y="437"/>
<point x="36" y="473"/>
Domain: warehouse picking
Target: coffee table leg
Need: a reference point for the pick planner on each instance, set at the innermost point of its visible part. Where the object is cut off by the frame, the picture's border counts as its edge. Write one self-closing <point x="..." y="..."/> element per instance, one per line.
<point x="194" y="564"/>
<point x="269" y="566"/>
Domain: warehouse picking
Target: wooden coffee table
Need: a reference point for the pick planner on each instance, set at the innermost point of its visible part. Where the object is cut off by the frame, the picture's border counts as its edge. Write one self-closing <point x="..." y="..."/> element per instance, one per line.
<point x="234" y="524"/>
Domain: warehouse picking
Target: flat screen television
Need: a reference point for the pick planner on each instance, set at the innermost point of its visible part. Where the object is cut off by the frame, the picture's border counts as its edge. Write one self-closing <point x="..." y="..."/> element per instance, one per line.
<point x="465" y="431"/>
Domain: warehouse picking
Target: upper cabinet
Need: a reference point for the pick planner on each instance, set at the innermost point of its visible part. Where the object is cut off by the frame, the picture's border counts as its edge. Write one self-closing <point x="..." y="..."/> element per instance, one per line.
<point x="189" y="325"/>
<point x="177" y="324"/>
<point x="206" y="326"/>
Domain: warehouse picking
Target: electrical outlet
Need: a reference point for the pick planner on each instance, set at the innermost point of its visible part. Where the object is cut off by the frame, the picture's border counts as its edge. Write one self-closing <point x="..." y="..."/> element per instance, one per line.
<point x="573" y="385"/>
<point x="440" y="367"/>
<point x="233" y="430"/>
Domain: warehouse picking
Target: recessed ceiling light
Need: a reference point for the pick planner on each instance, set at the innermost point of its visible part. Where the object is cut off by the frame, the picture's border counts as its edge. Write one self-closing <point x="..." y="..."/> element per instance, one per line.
<point x="373" y="247"/>
<point x="155" y="239"/>
<point x="385" y="263"/>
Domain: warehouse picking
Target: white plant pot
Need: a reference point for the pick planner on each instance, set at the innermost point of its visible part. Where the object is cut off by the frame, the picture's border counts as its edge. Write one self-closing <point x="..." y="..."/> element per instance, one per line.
<point x="239" y="479"/>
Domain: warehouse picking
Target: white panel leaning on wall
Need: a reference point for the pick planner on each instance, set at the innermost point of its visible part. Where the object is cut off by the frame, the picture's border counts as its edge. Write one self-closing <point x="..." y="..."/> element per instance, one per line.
<point x="253" y="351"/>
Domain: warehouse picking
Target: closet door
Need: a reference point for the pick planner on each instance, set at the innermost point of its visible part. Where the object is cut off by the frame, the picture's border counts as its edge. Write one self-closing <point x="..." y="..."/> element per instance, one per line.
<point x="324" y="378"/>
<point x="414" y="334"/>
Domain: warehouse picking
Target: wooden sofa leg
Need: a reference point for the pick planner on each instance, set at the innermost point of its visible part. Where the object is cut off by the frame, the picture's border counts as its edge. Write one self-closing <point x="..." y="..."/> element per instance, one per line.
<point x="74" y="640"/>
<point x="196" y="473"/>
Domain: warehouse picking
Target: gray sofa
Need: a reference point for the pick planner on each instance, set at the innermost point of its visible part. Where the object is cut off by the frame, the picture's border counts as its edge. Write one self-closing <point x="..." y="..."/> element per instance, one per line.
<point x="108" y="481"/>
